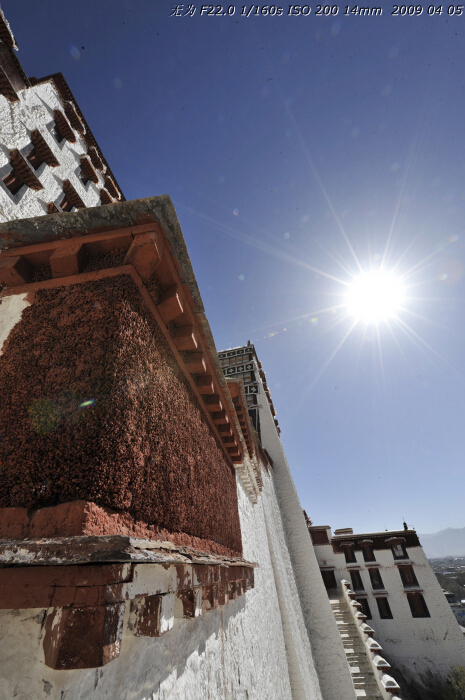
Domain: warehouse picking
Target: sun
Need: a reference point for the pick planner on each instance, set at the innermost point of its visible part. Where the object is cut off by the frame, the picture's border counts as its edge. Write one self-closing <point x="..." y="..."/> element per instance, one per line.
<point x="375" y="296"/>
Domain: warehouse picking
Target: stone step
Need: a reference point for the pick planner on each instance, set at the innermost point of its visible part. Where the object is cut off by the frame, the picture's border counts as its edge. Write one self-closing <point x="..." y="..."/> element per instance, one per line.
<point x="363" y="677"/>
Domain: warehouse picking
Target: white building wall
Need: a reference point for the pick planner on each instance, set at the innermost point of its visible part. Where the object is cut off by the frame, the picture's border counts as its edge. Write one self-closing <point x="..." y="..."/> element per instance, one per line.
<point x="417" y="644"/>
<point x="240" y="652"/>
<point x="34" y="110"/>
<point x="328" y="653"/>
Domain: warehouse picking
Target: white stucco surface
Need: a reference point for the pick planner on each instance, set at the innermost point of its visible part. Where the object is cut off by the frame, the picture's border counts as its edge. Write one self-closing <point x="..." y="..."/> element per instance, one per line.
<point x="239" y="652"/>
<point x="417" y="644"/>
<point x="34" y="110"/>
<point x="11" y="309"/>
<point x="325" y="643"/>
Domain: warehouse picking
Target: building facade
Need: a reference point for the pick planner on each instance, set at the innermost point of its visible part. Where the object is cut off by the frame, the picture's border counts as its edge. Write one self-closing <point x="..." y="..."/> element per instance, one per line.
<point x="49" y="158"/>
<point x="399" y="594"/>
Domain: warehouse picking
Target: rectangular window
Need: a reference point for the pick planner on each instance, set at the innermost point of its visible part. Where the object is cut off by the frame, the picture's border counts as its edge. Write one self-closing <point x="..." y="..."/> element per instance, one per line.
<point x="365" y="607"/>
<point x="329" y="579"/>
<point x="368" y="552"/>
<point x="417" y="605"/>
<point x="384" y="609"/>
<point x="349" y="555"/>
<point x="357" y="584"/>
<point x="319" y="536"/>
<point x="398" y="551"/>
<point x="375" y="577"/>
<point x="407" y="575"/>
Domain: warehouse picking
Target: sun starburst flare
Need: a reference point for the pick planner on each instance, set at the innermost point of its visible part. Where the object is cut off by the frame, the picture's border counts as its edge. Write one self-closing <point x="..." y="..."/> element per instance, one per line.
<point x="375" y="296"/>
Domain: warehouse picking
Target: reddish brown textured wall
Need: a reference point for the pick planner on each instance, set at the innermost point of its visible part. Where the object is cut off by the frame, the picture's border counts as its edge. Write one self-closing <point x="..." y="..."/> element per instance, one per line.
<point x="95" y="407"/>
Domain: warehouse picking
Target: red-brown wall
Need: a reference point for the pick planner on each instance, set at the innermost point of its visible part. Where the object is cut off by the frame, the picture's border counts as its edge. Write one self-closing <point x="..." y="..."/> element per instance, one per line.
<point x="143" y="447"/>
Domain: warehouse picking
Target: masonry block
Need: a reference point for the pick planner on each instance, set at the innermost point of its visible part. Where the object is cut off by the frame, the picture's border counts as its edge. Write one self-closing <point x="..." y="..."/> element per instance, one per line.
<point x="223" y="595"/>
<point x="188" y="603"/>
<point x="205" y="384"/>
<point x="185" y="338"/>
<point x="66" y="261"/>
<point x="170" y="306"/>
<point x="145" y="254"/>
<point x="209" y="598"/>
<point x="195" y="363"/>
<point x="145" y="616"/>
<point x="220" y="418"/>
<point x="77" y="638"/>
<point x="213" y="403"/>
<point x="14" y="271"/>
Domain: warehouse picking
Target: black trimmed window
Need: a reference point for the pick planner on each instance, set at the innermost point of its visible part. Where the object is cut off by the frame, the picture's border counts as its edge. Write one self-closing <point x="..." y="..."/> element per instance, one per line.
<point x="384" y="609"/>
<point x="375" y="578"/>
<point x="365" y="607"/>
<point x="417" y="605"/>
<point x="407" y="575"/>
<point x="399" y="551"/>
<point x="368" y="552"/>
<point x="349" y="554"/>
<point x="357" y="583"/>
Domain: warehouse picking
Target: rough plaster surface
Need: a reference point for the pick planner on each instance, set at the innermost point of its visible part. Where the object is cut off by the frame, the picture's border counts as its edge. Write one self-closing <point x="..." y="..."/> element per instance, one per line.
<point x="11" y="309"/>
<point x="325" y="642"/>
<point x="234" y="653"/>
<point x="34" y="110"/>
<point x="141" y="446"/>
<point x="417" y="644"/>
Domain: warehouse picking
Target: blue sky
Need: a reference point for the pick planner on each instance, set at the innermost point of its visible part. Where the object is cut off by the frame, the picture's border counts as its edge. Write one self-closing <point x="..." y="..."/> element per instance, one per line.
<point x="299" y="150"/>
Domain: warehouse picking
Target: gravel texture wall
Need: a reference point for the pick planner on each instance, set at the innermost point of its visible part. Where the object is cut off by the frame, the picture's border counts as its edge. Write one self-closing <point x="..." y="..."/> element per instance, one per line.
<point x="95" y="408"/>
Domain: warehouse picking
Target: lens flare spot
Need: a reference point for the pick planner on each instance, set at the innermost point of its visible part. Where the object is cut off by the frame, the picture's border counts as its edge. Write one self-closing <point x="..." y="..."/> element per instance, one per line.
<point x="90" y="402"/>
<point x="241" y="277"/>
<point x="287" y="235"/>
<point x="236" y="212"/>
<point x="453" y="239"/>
<point x="117" y="83"/>
<point x="75" y="53"/>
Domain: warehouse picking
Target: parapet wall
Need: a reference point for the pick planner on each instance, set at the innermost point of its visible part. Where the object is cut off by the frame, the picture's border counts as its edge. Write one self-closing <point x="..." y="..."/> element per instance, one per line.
<point x="100" y="411"/>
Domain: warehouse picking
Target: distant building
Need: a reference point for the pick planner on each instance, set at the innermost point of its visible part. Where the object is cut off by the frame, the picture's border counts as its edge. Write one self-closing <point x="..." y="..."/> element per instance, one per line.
<point x="398" y="592"/>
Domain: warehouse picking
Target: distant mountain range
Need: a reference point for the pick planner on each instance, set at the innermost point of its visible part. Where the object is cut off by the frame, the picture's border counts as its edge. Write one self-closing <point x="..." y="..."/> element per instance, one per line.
<point x="445" y="543"/>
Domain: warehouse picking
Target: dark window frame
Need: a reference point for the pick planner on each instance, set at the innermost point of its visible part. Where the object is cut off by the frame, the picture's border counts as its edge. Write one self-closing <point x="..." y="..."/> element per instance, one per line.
<point x="368" y="552"/>
<point x="404" y="554"/>
<point x="349" y="553"/>
<point x="384" y="608"/>
<point x="378" y="583"/>
<point x="418" y="605"/>
<point x="406" y="573"/>
<point x="356" y="575"/>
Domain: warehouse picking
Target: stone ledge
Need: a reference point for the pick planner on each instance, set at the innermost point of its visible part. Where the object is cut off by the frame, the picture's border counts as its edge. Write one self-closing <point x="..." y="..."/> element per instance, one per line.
<point x="94" y="590"/>
<point x="65" y="551"/>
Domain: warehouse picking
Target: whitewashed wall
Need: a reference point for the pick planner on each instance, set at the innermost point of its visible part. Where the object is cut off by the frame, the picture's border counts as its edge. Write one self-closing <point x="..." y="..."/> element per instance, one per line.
<point x="314" y="610"/>
<point x="34" y="110"/>
<point x="241" y="652"/>
<point x="415" y="643"/>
